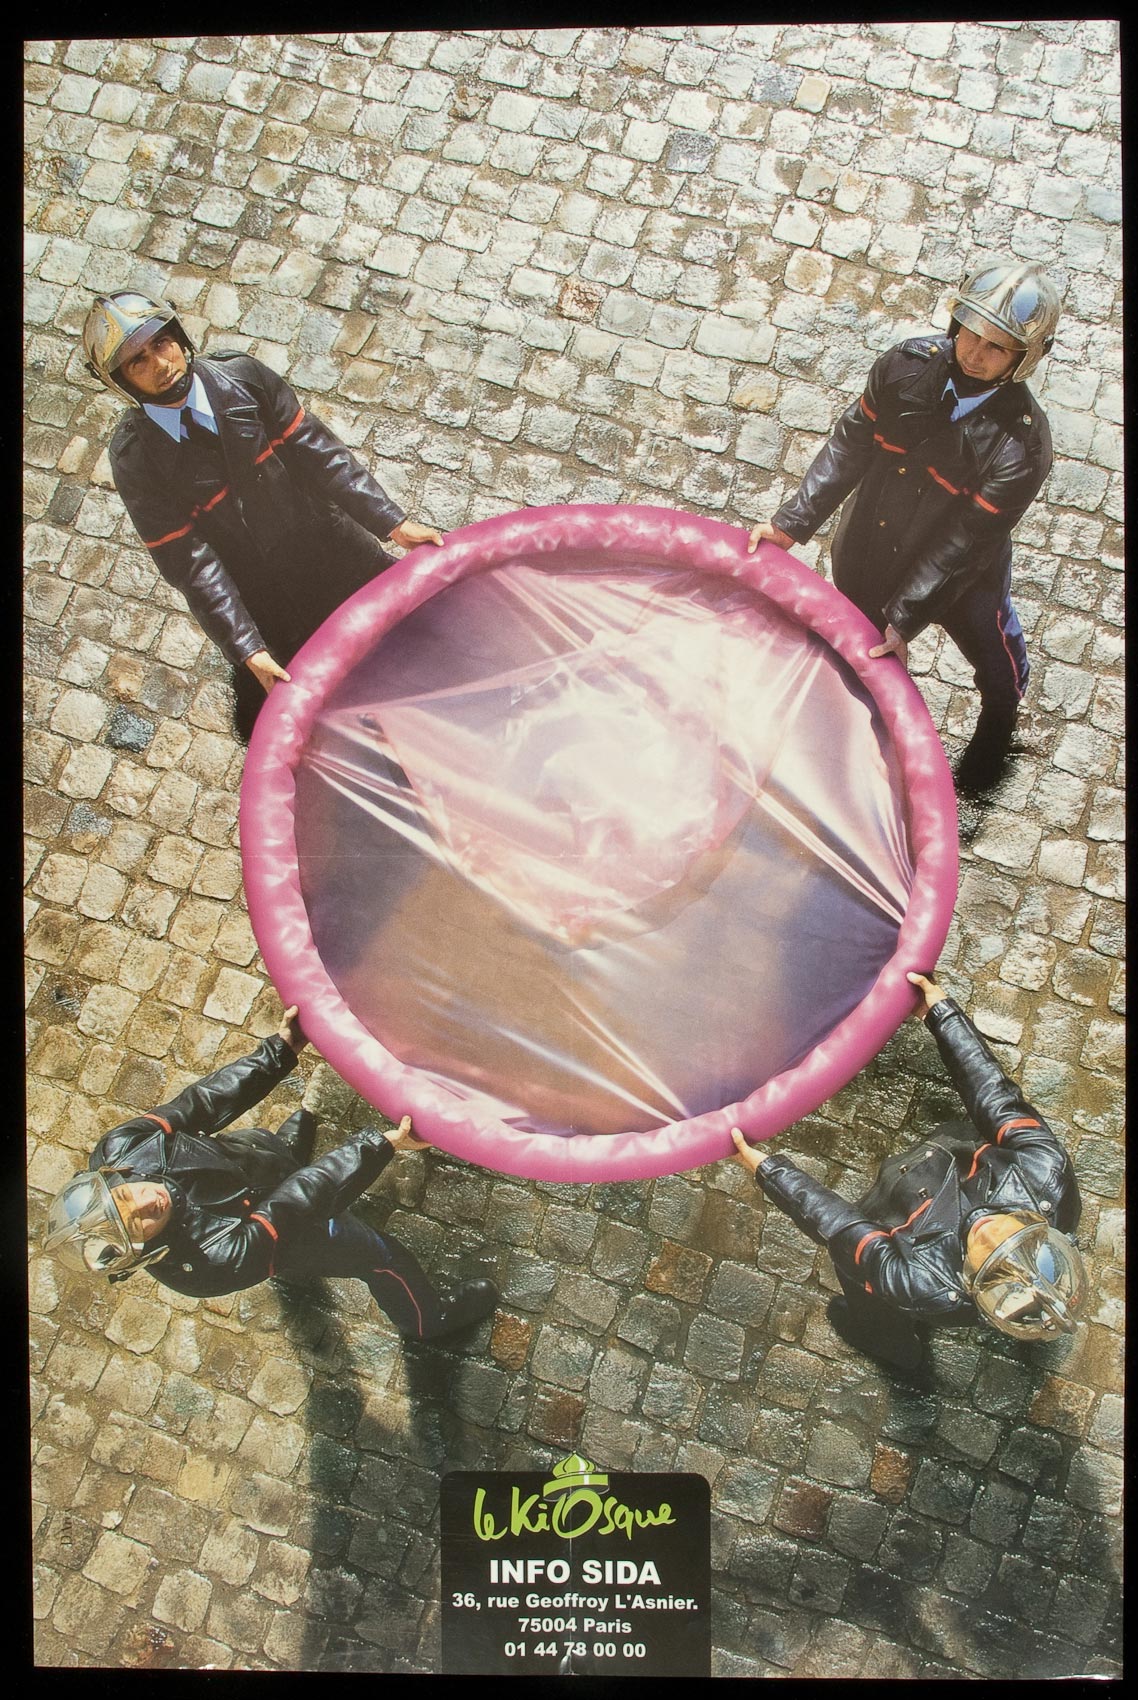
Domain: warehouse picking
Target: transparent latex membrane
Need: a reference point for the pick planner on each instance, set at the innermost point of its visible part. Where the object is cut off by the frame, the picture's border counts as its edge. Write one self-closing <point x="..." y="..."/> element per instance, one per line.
<point x="613" y="847"/>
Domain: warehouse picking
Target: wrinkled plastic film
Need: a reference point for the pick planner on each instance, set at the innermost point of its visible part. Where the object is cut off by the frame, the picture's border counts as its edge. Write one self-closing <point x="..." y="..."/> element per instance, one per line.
<point x="611" y="847"/>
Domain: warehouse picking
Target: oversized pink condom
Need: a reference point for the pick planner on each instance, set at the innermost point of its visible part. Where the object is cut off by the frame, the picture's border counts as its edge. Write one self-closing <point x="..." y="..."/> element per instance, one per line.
<point x="588" y="836"/>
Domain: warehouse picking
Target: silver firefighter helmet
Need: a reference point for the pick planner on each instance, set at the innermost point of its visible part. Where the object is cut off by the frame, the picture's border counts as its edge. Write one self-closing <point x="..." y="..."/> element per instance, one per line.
<point x="86" y="1230"/>
<point x="1033" y="1284"/>
<point x="1012" y="304"/>
<point x="117" y="326"/>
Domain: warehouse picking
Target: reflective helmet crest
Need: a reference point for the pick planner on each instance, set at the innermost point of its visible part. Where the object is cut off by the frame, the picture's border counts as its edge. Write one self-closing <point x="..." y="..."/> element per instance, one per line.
<point x="117" y="326"/>
<point x="1033" y="1284"/>
<point x="1019" y="303"/>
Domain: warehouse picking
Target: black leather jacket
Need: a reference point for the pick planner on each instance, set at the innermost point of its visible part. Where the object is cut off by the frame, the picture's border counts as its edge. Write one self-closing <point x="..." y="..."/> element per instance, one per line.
<point x="933" y="502"/>
<point x="904" y="1241"/>
<point x="237" y="1198"/>
<point x="289" y="483"/>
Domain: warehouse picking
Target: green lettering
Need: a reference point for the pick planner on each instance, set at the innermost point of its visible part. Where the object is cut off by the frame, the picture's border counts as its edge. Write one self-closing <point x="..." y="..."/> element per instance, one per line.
<point x="520" y="1521"/>
<point x="484" y="1525"/>
<point x="584" y="1500"/>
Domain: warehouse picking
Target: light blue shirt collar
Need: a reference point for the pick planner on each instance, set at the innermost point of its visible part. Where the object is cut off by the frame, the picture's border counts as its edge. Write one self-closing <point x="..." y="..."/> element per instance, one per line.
<point x="966" y="403"/>
<point x="170" y="418"/>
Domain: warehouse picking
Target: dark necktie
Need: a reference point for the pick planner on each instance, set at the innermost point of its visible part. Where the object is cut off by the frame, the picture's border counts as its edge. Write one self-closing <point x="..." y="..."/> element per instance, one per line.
<point x="203" y="452"/>
<point x="195" y="432"/>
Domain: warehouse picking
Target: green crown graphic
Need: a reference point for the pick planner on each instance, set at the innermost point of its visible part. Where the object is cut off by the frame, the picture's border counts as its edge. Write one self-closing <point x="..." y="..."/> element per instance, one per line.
<point x="574" y="1472"/>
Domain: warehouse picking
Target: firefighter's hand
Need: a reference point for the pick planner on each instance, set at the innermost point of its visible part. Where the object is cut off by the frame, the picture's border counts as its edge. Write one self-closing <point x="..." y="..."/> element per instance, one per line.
<point x="931" y="994"/>
<point x="894" y="645"/>
<point x="291" y="1031"/>
<point x="767" y="533"/>
<point x="748" y="1156"/>
<point x="404" y="1140"/>
<point x="265" y="670"/>
<point x="409" y="533"/>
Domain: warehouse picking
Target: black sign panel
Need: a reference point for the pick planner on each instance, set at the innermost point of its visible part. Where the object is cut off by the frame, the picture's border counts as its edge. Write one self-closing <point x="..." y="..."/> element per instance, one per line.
<point x="580" y="1571"/>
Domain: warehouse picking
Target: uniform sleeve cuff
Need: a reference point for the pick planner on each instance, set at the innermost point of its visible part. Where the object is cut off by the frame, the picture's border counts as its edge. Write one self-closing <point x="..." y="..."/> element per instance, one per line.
<point x="282" y="1051"/>
<point x="942" y="1011"/>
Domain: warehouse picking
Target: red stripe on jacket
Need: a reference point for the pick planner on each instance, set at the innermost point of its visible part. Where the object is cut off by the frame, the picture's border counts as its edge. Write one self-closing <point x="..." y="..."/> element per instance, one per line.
<point x="277" y="441"/>
<point x="953" y="491"/>
<point x="265" y="1223"/>
<point x="170" y="537"/>
<point x="200" y="508"/>
<point x="204" y="508"/>
<point x="1020" y="1121"/>
<point x="887" y="1234"/>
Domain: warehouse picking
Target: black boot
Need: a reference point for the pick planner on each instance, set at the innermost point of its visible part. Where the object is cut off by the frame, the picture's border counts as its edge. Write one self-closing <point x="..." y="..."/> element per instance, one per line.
<point x="468" y="1304"/>
<point x="299" y="1134"/>
<point x="982" y="763"/>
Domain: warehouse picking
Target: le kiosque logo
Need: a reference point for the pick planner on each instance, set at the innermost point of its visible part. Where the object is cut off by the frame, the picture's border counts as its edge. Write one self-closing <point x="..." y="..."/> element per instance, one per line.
<point x="572" y="1504"/>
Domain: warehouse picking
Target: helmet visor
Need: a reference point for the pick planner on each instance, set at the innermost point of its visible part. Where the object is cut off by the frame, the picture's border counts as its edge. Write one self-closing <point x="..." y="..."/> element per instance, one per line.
<point x="990" y="329"/>
<point x="84" y="1228"/>
<point x="1032" y="1285"/>
<point x="119" y="325"/>
<point x="136" y="340"/>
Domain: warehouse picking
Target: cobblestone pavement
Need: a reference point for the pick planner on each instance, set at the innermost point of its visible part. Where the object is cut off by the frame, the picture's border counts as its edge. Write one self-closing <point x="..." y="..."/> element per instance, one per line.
<point x="515" y="268"/>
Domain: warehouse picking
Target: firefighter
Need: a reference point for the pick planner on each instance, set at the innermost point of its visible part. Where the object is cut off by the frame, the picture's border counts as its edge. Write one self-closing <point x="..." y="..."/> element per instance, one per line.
<point x="249" y="505"/>
<point x="936" y="462"/>
<point x="972" y="1223"/>
<point x="209" y="1212"/>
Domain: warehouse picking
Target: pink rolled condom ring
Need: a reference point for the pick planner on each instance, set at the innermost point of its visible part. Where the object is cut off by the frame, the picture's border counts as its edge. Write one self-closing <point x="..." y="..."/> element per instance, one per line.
<point x="589" y="836"/>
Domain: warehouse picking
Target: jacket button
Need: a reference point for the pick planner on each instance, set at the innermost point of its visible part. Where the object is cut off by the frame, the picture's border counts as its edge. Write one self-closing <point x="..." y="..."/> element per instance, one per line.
<point x="900" y="472"/>
<point x="188" y="1268"/>
<point x="881" y="524"/>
